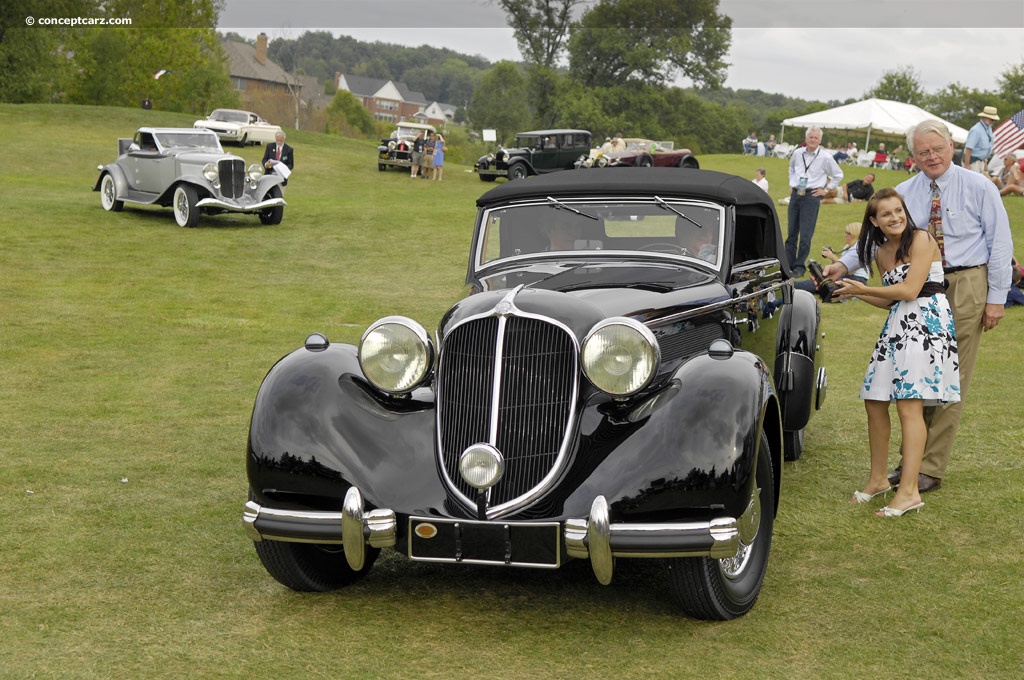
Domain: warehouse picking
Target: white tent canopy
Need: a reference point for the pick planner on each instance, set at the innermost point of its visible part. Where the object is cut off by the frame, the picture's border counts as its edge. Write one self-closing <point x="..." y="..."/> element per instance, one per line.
<point x="872" y="115"/>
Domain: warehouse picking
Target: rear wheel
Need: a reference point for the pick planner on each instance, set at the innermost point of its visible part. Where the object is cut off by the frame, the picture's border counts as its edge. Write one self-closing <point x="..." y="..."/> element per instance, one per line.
<point x="108" y="194"/>
<point x="723" y="589"/>
<point x="689" y="162"/>
<point x="275" y="214"/>
<point x="793" y="444"/>
<point x="186" y="213"/>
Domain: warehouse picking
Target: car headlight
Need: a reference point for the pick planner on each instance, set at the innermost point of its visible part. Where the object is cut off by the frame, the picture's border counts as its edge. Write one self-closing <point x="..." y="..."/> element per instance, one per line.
<point x="620" y="356"/>
<point x="396" y="354"/>
<point x="481" y="465"/>
<point x="210" y="172"/>
<point x="254" y="172"/>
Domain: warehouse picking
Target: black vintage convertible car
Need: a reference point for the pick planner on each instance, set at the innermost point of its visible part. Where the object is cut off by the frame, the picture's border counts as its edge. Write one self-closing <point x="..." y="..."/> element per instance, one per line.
<point x="624" y="380"/>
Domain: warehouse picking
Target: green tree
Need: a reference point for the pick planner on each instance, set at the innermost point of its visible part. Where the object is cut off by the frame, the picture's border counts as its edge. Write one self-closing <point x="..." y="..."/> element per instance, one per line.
<point x="347" y="112"/>
<point x="541" y="28"/>
<point x="959" y="104"/>
<point x="901" y="84"/>
<point x="1011" y="87"/>
<point x="651" y="41"/>
<point x="499" y="101"/>
<point x="115" y="66"/>
<point x="34" y="62"/>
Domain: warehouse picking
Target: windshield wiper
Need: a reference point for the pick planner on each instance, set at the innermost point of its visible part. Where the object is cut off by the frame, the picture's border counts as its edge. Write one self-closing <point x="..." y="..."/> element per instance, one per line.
<point x="558" y="205"/>
<point x="661" y="203"/>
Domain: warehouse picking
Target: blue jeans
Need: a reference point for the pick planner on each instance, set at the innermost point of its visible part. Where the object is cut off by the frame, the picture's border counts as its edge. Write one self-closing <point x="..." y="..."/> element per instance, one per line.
<point x="803" y="218"/>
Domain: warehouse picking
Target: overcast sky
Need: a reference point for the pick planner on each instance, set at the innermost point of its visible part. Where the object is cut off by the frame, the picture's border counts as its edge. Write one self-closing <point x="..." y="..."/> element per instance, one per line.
<point x="829" y="50"/>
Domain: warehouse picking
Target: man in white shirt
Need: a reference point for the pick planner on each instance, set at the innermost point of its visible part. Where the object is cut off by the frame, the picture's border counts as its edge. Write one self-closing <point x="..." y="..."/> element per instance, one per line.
<point x="976" y="250"/>
<point x="812" y="173"/>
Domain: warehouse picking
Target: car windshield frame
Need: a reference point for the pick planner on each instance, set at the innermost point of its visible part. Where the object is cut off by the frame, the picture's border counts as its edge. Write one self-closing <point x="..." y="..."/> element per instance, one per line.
<point x="606" y="227"/>
<point x="188" y="139"/>
<point x="230" y="116"/>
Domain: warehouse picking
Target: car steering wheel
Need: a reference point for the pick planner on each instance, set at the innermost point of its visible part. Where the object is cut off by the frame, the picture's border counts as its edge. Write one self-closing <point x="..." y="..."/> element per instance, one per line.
<point x="666" y="247"/>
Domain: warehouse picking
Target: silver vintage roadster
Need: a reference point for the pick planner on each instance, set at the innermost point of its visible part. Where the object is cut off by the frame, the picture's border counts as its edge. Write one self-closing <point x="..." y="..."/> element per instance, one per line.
<point x="187" y="170"/>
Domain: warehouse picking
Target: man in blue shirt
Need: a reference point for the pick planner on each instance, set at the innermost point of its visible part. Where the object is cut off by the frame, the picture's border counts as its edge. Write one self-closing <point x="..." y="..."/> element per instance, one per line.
<point x="812" y="173"/>
<point x="976" y="252"/>
<point x="978" y="147"/>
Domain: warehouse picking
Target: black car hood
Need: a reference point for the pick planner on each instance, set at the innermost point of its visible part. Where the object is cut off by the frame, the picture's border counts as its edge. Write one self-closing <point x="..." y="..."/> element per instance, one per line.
<point x="640" y="290"/>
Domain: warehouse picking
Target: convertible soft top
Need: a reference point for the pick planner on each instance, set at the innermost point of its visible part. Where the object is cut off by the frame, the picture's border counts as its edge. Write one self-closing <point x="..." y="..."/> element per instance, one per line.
<point x="706" y="184"/>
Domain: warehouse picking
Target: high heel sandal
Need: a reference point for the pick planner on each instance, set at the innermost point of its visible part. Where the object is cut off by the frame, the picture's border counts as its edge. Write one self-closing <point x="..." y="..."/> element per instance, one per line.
<point x="861" y="497"/>
<point x="896" y="512"/>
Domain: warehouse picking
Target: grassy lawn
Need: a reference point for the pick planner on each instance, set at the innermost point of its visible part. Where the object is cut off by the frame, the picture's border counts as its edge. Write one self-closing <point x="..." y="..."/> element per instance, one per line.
<point x="131" y="351"/>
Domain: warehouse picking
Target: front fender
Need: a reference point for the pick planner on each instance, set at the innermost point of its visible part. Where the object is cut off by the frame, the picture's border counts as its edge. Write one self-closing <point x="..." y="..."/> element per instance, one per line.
<point x="120" y="182"/>
<point x="317" y="428"/>
<point x="267" y="181"/>
<point x="693" y="449"/>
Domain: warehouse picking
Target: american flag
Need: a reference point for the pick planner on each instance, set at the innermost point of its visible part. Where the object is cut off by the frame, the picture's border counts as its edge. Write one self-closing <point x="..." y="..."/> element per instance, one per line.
<point x="1009" y="135"/>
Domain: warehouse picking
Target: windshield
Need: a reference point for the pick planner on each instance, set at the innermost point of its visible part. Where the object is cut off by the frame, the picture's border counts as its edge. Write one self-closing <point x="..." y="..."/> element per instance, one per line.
<point x="404" y="132"/>
<point x="229" y="116"/>
<point x="200" y="139"/>
<point x="686" y="229"/>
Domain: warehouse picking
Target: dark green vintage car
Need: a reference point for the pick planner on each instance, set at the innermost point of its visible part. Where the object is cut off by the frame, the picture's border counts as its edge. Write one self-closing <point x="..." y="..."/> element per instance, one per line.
<point x="535" y="153"/>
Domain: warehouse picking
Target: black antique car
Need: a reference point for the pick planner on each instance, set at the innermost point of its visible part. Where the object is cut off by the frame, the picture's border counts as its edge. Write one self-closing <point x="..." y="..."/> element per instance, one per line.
<point x="624" y="380"/>
<point x="534" y="153"/>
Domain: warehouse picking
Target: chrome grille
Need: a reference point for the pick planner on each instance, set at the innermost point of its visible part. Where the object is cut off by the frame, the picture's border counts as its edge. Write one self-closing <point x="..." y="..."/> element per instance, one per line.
<point x="537" y="376"/>
<point x="232" y="177"/>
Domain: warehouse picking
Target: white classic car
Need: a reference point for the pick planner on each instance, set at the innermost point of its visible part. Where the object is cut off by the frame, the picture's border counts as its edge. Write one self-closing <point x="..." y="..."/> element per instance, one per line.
<point x="242" y="127"/>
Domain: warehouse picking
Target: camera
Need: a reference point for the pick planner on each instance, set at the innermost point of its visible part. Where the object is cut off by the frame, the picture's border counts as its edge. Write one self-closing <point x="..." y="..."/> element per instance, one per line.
<point x="825" y="286"/>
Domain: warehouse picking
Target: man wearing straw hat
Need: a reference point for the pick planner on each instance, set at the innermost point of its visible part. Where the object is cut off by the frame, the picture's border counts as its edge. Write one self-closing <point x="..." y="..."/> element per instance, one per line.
<point x="980" y="140"/>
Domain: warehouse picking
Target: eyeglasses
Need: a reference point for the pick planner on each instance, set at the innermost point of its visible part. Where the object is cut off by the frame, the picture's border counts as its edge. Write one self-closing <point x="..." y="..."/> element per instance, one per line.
<point x="926" y="153"/>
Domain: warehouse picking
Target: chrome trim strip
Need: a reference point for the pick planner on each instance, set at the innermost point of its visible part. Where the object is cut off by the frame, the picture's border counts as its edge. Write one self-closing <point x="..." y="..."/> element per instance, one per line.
<point x="217" y="203"/>
<point x="714" y="306"/>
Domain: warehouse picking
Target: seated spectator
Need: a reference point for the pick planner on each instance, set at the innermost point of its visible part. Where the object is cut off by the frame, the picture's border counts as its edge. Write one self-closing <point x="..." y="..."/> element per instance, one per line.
<point x="881" y="157"/>
<point x="759" y="179"/>
<point x="851" y="233"/>
<point x="1015" y="296"/>
<point x="853" y="191"/>
<point x="859" y="189"/>
<point x="750" y="144"/>
<point x="1010" y="179"/>
<point x="770" y="145"/>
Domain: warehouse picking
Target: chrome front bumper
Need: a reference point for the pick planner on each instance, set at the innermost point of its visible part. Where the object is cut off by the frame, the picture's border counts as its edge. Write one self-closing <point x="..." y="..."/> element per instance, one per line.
<point x="594" y="537"/>
<point x="240" y="207"/>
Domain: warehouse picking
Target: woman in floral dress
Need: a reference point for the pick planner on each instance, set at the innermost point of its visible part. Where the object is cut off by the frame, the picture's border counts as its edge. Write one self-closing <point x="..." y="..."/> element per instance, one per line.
<point x="914" y="363"/>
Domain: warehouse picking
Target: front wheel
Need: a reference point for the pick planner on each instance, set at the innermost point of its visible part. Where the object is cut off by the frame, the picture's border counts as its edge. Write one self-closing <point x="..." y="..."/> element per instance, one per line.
<point x="108" y="195"/>
<point x="311" y="567"/>
<point x="276" y="214"/>
<point x="723" y="589"/>
<point x="517" y="171"/>
<point x="186" y="213"/>
<point x="644" y="161"/>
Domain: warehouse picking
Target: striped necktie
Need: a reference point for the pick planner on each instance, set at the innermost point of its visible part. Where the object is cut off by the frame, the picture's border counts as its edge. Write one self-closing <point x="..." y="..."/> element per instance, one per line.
<point x="935" y="220"/>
